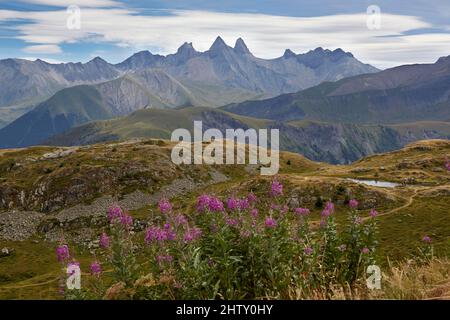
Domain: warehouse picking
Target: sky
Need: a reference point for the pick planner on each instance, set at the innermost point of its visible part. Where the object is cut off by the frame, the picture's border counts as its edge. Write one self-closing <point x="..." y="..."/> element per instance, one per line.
<point x="384" y="33"/>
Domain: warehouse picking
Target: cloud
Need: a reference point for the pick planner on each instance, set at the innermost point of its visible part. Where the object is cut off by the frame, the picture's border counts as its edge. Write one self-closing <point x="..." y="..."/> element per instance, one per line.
<point x="80" y="3"/>
<point x="267" y="36"/>
<point x="43" y="48"/>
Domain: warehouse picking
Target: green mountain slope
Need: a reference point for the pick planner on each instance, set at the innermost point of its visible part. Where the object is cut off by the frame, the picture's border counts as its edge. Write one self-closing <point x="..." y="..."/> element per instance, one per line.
<point x="403" y="94"/>
<point x="66" y="109"/>
<point x="320" y="141"/>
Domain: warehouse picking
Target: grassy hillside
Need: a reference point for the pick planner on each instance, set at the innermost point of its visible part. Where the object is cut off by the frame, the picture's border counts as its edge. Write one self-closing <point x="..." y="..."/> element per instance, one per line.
<point x="74" y="186"/>
<point x="320" y="141"/>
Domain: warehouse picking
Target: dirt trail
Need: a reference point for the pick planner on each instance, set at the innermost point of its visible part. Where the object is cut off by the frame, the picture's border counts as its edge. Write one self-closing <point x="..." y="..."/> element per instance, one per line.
<point x="409" y="201"/>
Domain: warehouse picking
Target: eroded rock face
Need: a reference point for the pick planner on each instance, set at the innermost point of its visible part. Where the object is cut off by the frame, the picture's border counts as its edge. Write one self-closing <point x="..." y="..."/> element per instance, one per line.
<point x="19" y="226"/>
<point x="70" y="195"/>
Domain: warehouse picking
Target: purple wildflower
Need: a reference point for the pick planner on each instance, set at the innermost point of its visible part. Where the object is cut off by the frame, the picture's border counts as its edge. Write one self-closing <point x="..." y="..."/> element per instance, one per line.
<point x="215" y="205"/>
<point x="251" y="197"/>
<point x="104" y="241"/>
<point x="302" y="211"/>
<point x="232" y="203"/>
<point x="203" y="202"/>
<point x="308" y="250"/>
<point x="365" y="250"/>
<point x="192" y="234"/>
<point x="353" y="204"/>
<point x="231" y="222"/>
<point x="95" y="268"/>
<point x="243" y="204"/>
<point x="426" y="239"/>
<point x="330" y="207"/>
<point x="274" y="206"/>
<point x="270" y="222"/>
<point x="328" y="210"/>
<point x="62" y="253"/>
<point x="373" y="213"/>
<point x="164" y="205"/>
<point x="114" y="213"/>
<point x="180" y="220"/>
<point x="126" y="220"/>
<point x="254" y="212"/>
<point x="325" y="213"/>
<point x="276" y="188"/>
<point x="155" y="234"/>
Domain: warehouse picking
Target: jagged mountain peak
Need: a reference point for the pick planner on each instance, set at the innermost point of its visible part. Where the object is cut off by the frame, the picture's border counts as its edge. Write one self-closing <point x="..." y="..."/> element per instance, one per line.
<point x="186" y="47"/>
<point x="327" y="52"/>
<point x="143" y="53"/>
<point x="340" y="52"/>
<point x="218" y="44"/>
<point x="288" y="53"/>
<point x="97" y="60"/>
<point x="241" y="47"/>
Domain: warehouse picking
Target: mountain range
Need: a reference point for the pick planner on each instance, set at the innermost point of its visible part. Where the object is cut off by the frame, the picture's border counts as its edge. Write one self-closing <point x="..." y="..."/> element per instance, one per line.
<point x="216" y="77"/>
<point x="328" y="105"/>
<point x="407" y="93"/>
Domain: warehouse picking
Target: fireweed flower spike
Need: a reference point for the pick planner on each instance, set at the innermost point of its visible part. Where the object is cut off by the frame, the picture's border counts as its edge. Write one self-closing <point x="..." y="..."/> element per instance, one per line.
<point x="353" y="204"/>
<point x="114" y="213"/>
<point x="104" y="241"/>
<point x="232" y="203"/>
<point x="62" y="253"/>
<point x="251" y="197"/>
<point x="243" y="204"/>
<point x="302" y="211"/>
<point x="192" y="234"/>
<point x="180" y="220"/>
<point x="276" y="188"/>
<point x="270" y="222"/>
<point x="95" y="268"/>
<point x="215" y="205"/>
<point x="126" y="220"/>
<point x="164" y="206"/>
<point x="329" y="207"/>
<point x="159" y="235"/>
<point x="202" y="203"/>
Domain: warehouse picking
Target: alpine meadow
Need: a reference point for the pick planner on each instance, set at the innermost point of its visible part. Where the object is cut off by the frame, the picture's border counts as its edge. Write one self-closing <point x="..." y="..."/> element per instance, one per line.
<point x="224" y="151"/>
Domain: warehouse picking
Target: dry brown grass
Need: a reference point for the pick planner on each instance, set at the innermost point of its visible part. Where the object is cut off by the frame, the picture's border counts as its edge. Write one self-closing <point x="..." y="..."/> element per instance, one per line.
<point x="414" y="281"/>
